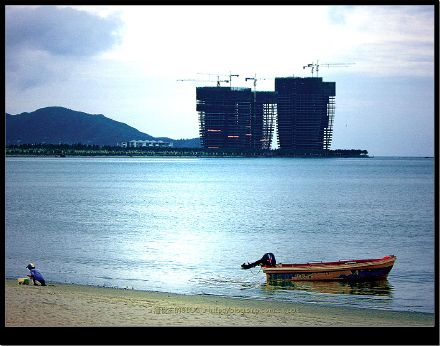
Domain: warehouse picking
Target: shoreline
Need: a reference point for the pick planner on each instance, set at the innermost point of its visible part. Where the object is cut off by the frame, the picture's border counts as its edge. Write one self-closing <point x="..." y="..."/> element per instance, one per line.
<point x="72" y="305"/>
<point x="216" y="157"/>
<point x="68" y="150"/>
<point x="195" y="156"/>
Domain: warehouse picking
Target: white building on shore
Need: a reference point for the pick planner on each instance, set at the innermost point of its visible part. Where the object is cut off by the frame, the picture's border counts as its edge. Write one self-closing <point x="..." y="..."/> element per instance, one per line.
<point x="142" y="144"/>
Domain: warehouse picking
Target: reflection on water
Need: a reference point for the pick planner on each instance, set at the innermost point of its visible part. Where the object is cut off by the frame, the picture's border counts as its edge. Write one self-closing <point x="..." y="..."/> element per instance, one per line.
<point x="376" y="288"/>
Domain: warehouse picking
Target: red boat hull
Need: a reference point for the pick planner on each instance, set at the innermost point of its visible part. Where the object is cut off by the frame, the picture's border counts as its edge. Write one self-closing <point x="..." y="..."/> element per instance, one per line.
<point x="347" y="270"/>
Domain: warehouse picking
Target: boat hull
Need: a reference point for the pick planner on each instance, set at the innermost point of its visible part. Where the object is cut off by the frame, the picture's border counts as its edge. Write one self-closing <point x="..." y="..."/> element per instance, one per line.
<point x="349" y="270"/>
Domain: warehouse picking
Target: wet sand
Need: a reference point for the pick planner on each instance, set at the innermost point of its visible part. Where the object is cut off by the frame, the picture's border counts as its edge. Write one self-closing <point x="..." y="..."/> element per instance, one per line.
<point x="76" y="305"/>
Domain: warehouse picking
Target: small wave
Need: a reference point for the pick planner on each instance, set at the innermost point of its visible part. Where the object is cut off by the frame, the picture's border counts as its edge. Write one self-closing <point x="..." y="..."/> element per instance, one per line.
<point x="105" y="277"/>
<point x="224" y="280"/>
<point x="142" y="280"/>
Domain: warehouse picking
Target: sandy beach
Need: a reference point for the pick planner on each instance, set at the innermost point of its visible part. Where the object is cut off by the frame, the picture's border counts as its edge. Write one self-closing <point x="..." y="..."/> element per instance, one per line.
<point x="67" y="305"/>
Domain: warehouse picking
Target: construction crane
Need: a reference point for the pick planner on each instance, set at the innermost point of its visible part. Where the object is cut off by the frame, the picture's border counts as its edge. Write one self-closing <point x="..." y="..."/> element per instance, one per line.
<point x="204" y="80"/>
<point x="255" y="79"/>
<point x="230" y="75"/>
<point x="230" y="78"/>
<point x="255" y="85"/>
<point x="310" y="65"/>
<point x="316" y="66"/>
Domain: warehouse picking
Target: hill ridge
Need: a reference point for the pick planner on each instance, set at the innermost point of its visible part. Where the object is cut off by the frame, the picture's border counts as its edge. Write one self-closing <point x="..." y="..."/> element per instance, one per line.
<point x="56" y="124"/>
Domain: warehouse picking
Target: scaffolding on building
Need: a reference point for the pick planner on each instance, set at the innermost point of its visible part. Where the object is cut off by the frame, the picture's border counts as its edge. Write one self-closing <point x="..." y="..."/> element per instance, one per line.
<point x="305" y="113"/>
<point x="328" y="131"/>
<point x="235" y="118"/>
<point x="302" y="109"/>
<point x="265" y="111"/>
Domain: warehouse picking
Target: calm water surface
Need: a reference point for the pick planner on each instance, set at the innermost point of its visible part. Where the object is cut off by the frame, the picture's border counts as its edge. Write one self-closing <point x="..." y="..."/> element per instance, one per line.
<point x="186" y="225"/>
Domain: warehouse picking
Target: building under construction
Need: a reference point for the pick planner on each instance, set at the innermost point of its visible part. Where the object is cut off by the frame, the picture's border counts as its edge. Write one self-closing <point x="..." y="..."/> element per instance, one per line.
<point x="235" y="118"/>
<point x="305" y="113"/>
<point x="239" y="118"/>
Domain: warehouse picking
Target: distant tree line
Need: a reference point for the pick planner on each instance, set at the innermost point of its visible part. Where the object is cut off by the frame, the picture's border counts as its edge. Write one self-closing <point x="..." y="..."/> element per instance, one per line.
<point x="62" y="150"/>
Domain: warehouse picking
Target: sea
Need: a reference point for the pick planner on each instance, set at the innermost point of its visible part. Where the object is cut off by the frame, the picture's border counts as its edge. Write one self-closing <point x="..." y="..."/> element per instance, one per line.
<point x="185" y="225"/>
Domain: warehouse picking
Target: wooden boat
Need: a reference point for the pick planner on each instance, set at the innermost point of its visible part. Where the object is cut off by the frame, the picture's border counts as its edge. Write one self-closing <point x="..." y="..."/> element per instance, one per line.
<point x="349" y="270"/>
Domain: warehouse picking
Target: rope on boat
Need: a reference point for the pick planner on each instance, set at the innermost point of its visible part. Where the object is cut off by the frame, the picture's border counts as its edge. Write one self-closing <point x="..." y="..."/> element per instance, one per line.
<point x="257" y="272"/>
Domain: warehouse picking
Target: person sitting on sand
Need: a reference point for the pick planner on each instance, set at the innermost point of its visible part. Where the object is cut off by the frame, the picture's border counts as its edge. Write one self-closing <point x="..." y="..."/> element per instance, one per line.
<point x="35" y="275"/>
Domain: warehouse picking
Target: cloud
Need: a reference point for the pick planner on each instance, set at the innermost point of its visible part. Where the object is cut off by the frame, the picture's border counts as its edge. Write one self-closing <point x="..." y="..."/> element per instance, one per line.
<point x="277" y="40"/>
<point x="59" y="31"/>
<point x="48" y="43"/>
<point x="388" y="40"/>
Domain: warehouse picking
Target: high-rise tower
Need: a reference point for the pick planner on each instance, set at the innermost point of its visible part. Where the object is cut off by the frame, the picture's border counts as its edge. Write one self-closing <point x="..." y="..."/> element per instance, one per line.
<point x="305" y="113"/>
<point x="235" y="118"/>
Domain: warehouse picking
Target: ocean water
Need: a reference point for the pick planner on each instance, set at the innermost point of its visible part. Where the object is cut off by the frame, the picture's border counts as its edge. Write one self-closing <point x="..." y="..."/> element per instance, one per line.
<point x="186" y="225"/>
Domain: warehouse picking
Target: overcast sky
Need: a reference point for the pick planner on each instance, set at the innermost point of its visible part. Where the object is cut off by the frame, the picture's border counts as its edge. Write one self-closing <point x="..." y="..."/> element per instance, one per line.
<point x="124" y="62"/>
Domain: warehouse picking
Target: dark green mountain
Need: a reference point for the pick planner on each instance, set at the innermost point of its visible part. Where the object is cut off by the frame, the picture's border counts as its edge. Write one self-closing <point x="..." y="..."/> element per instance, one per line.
<point x="55" y="125"/>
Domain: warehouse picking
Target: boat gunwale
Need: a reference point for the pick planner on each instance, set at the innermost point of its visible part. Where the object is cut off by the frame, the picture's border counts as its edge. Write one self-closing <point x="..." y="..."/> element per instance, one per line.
<point x="332" y="266"/>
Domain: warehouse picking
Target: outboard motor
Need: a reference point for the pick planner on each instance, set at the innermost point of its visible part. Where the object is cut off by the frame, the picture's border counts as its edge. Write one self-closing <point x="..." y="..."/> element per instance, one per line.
<point x="268" y="259"/>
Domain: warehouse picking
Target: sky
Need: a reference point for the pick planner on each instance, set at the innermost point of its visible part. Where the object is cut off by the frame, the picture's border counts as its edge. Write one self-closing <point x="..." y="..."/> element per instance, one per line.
<point x="125" y="62"/>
